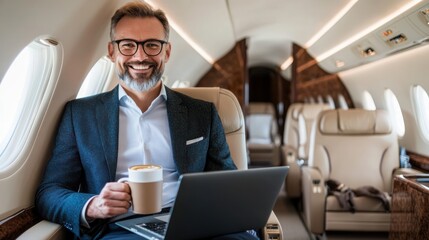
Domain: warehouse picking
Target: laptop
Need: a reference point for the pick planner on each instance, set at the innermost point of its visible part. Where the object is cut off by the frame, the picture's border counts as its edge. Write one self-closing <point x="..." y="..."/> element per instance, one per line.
<point x="215" y="203"/>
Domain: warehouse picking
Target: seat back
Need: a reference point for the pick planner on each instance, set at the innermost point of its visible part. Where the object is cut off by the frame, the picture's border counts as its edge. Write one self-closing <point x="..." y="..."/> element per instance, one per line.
<point x="259" y="128"/>
<point x="356" y="147"/>
<point x="263" y="139"/>
<point x="266" y="110"/>
<point x="306" y="118"/>
<point x="291" y="132"/>
<point x="231" y="115"/>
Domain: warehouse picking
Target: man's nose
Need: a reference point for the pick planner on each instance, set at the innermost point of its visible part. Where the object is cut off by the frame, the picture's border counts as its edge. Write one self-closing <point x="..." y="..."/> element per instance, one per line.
<point x="140" y="53"/>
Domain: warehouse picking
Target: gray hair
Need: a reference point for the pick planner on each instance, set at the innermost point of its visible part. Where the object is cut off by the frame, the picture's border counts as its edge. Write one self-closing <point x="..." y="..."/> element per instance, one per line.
<point x="138" y="9"/>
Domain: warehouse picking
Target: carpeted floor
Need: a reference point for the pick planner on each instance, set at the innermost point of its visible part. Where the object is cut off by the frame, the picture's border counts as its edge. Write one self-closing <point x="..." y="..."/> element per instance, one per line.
<point x="293" y="227"/>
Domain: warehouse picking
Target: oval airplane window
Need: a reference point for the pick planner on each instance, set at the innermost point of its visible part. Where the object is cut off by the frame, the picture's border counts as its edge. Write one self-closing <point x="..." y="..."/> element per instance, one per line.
<point x="330" y="101"/>
<point x="420" y="101"/>
<point x="25" y="92"/>
<point x="395" y="112"/>
<point x="180" y="84"/>
<point x="98" y="78"/>
<point x="342" y="102"/>
<point x="367" y="101"/>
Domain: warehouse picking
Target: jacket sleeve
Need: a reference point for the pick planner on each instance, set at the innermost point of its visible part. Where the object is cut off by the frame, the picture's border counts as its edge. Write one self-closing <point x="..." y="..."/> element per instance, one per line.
<point x="58" y="198"/>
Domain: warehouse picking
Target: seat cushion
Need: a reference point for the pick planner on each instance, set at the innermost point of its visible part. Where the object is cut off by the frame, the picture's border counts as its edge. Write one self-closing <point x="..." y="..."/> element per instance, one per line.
<point x="362" y="204"/>
<point x="259" y="126"/>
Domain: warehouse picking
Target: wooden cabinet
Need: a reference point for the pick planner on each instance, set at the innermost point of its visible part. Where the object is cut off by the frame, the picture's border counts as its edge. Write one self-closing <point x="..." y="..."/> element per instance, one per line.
<point x="410" y="208"/>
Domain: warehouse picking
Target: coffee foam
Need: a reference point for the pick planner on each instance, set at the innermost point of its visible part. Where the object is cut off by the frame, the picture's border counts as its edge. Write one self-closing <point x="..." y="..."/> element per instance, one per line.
<point x="144" y="167"/>
<point x="145" y="173"/>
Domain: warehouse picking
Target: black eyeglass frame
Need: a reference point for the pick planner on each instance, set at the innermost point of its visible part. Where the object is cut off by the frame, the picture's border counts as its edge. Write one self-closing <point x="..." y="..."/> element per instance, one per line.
<point x="142" y="43"/>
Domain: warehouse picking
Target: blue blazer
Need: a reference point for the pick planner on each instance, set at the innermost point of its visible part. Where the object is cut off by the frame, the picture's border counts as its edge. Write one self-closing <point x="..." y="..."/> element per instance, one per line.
<point x="84" y="157"/>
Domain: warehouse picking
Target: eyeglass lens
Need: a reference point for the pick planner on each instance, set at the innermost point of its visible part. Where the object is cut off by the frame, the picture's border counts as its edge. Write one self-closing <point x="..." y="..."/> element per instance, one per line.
<point x="129" y="47"/>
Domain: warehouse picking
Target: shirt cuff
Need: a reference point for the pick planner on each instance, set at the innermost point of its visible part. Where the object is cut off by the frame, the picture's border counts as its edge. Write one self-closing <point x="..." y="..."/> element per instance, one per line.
<point x="83" y="221"/>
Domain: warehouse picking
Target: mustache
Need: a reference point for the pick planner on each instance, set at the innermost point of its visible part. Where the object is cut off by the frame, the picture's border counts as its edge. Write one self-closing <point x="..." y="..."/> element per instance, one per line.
<point x="151" y="64"/>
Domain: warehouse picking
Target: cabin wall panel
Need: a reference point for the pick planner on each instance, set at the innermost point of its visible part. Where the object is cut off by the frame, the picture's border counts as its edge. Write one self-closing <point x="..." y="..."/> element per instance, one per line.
<point x="310" y="80"/>
<point x="84" y="40"/>
<point x="398" y="72"/>
<point x="185" y="64"/>
<point x="229" y="72"/>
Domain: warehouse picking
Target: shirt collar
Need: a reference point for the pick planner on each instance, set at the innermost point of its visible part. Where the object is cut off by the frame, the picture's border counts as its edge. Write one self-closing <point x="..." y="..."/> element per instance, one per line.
<point x="122" y="93"/>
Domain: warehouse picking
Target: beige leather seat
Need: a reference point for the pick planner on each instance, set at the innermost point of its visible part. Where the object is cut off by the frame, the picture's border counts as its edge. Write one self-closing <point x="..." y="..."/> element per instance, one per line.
<point x="289" y="151"/>
<point x="291" y="130"/>
<point x="357" y="148"/>
<point x="263" y="138"/>
<point x="304" y="116"/>
<point x="306" y="119"/>
<point x="231" y="115"/>
<point x="232" y="119"/>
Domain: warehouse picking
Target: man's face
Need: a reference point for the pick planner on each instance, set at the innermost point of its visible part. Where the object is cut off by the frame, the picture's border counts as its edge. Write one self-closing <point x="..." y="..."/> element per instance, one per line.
<point x="139" y="72"/>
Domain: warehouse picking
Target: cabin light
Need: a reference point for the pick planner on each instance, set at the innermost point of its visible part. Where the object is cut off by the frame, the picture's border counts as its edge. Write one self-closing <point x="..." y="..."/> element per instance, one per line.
<point x="185" y="36"/>
<point x="388" y="32"/>
<point x="330" y="24"/>
<point x="287" y="63"/>
<point x="339" y="63"/>
<point x="322" y="31"/>
<point x="425" y="14"/>
<point x="371" y="28"/>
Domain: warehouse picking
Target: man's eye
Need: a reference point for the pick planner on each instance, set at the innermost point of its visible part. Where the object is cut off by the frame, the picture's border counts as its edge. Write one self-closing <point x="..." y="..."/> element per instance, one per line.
<point x="128" y="45"/>
<point x="152" y="45"/>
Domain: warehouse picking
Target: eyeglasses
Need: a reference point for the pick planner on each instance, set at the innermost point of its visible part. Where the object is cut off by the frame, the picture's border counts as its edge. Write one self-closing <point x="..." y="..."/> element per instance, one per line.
<point x="128" y="47"/>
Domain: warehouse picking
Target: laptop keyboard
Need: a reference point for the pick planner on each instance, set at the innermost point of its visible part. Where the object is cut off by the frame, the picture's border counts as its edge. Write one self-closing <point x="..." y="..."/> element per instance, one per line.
<point x="158" y="227"/>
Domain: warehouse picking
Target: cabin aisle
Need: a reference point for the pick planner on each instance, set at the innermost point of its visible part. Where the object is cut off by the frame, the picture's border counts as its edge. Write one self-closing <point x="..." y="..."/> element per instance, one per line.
<point x="293" y="227"/>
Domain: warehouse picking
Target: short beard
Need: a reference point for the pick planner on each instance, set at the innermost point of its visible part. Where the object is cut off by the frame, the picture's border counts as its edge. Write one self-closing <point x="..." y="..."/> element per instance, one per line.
<point x="140" y="84"/>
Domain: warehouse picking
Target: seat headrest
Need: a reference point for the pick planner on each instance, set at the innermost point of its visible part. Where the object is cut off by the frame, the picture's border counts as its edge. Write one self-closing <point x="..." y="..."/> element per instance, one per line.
<point x="261" y="108"/>
<point x="310" y="111"/>
<point x="226" y="103"/>
<point x="296" y="110"/>
<point x="355" y="121"/>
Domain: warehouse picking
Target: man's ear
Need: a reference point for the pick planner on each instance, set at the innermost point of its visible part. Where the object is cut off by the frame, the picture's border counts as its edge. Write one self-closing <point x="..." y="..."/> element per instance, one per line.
<point x="111" y="50"/>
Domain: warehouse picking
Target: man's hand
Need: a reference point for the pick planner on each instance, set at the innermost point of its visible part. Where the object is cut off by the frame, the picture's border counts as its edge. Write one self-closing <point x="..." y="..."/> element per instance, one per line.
<point x="114" y="199"/>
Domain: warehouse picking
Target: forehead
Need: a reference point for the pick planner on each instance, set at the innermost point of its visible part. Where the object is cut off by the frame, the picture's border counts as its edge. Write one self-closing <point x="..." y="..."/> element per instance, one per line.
<point x="139" y="28"/>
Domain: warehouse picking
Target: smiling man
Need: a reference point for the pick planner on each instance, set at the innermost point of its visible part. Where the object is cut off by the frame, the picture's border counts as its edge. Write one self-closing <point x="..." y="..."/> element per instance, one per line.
<point x="140" y="121"/>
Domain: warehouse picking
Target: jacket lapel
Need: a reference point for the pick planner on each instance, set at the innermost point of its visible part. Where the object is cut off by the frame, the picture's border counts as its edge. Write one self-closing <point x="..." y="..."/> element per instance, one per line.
<point x="107" y="117"/>
<point x="178" y="120"/>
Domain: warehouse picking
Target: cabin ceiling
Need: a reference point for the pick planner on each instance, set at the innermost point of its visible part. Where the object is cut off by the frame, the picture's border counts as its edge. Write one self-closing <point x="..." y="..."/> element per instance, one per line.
<point x="271" y="26"/>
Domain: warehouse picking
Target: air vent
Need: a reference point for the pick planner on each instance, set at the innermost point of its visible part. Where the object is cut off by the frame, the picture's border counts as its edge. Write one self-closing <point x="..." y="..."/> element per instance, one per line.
<point x="368" y="52"/>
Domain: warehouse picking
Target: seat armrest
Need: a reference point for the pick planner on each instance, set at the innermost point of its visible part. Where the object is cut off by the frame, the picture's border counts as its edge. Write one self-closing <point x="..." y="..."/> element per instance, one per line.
<point x="273" y="228"/>
<point x="288" y="154"/>
<point x="406" y="171"/>
<point x="44" y="230"/>
<point x="293" y="178"/>
<point x="314" y="197"/>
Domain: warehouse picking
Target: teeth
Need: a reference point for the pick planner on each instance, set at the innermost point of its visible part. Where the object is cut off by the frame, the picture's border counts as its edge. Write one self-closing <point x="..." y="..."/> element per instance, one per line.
<point x="140" y="66"/>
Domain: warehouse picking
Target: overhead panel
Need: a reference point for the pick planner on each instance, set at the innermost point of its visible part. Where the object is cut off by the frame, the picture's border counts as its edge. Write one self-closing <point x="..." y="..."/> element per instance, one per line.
<point x="420" y="19"/>
<point x="408" y="30"/>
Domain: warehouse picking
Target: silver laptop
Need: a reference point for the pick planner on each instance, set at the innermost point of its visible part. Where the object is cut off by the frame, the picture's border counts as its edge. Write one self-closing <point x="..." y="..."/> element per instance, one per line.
<point x="216" y="203"/>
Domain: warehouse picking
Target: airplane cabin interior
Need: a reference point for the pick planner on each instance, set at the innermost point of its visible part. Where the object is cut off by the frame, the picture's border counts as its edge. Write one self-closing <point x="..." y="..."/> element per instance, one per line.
<point x="335" y="90"/>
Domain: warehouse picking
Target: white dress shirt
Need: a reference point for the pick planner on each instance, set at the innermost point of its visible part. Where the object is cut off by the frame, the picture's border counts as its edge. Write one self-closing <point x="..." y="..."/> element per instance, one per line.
<point x="144" y="138"/>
